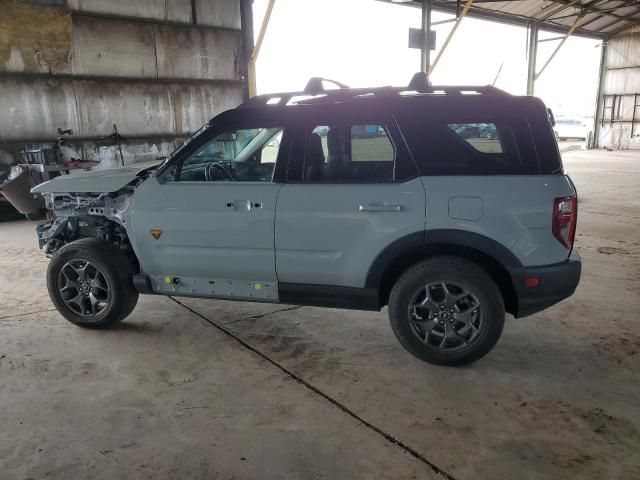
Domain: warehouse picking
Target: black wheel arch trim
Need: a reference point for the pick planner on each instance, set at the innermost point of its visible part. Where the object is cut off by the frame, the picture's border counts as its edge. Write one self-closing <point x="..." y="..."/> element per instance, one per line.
<point x="428" y="238"/>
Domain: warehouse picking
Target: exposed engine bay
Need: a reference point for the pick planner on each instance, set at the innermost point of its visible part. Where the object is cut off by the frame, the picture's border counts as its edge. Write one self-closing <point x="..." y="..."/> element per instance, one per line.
<point x="104" y="216"/>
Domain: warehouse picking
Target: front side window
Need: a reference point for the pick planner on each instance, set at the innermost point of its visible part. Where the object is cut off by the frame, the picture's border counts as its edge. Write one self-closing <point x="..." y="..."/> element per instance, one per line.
<point x="244" y="155"/>
<point x="348" y="153"/>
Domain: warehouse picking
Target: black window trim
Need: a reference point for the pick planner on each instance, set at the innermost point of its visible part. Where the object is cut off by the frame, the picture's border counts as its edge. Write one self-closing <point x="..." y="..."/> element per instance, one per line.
<point x="528" y="131"/>
<point x="211" y="132"/>
<point x="394" y="134"/>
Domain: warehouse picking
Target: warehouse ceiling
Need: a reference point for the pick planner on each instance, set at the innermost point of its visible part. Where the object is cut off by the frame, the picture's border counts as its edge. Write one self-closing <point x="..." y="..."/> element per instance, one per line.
<point x="595" y="18"/>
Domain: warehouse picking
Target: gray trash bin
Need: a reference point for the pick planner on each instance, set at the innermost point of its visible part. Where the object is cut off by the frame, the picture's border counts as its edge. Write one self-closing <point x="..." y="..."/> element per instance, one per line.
<point x="16" y="188"/>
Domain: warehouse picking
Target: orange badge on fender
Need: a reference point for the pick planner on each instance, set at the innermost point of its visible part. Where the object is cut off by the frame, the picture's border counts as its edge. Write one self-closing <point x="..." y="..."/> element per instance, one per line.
<point x="155" y="233"/>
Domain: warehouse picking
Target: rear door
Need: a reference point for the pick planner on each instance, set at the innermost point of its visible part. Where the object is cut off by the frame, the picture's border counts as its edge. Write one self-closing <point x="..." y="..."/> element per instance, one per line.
<point x="351" y="190"/>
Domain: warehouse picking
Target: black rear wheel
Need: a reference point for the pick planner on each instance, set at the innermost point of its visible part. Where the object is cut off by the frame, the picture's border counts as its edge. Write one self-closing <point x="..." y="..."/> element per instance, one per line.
<point x="90" y="283"/>
<point x="446" y="311"/>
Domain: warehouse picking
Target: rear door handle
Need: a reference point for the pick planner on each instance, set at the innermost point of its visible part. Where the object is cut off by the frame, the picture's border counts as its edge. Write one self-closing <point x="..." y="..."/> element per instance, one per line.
<point x="379" y="207"/>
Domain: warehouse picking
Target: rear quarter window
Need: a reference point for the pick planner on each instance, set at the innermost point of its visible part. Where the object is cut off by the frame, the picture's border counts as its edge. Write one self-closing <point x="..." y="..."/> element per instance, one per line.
<point x="475" y="146"/>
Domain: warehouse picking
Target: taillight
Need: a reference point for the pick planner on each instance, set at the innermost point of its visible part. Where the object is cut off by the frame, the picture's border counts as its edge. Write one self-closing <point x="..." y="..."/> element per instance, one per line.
<point x="565" y="216"/>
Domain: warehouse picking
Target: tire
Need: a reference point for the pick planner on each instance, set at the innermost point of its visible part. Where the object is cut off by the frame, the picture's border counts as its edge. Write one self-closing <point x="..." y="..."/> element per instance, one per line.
<point x="107" y="295"/>
<point x="458" y="323"/>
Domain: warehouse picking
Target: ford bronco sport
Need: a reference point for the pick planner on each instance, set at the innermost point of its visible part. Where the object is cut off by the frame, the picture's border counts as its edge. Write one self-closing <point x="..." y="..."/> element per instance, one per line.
<point x="448" y="204"/>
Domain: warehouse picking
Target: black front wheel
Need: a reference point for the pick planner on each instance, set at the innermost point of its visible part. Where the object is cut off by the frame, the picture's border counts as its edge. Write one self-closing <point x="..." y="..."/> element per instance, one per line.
<point x="447" y="311"/>
<point x="90" y="283"/>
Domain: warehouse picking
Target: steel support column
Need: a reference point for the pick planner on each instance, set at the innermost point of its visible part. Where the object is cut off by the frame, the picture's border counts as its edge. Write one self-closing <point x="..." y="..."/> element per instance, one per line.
<point x="425" y="50"/>
<point x="597" y="117"/>
<point x="256" y="50"/>
<point x="246" y="26"/>
<point x="532" y="55"/>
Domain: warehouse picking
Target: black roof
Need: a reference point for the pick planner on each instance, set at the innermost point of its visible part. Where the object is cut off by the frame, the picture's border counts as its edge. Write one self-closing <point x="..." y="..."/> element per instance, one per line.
<point x="315" y="101"/>
<point x="316" y="94"/>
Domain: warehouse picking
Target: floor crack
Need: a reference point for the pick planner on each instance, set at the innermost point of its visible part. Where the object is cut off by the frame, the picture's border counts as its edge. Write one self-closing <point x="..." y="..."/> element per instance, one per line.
<point x="288" y="309"/>
<point x="387" y="436"/>
<point x="27" y="313"/>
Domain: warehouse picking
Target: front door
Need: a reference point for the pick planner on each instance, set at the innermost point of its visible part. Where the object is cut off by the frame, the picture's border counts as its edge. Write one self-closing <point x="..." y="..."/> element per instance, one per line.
<point x="205" y="226"/>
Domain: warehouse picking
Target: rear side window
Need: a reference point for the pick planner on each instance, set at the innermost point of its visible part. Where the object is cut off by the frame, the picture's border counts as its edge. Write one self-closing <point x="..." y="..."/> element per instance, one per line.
<point x="348" y="154"/>
<point x="483" y="137"/>
<point x="483" y="146"/>
<point x="370" y="143"/>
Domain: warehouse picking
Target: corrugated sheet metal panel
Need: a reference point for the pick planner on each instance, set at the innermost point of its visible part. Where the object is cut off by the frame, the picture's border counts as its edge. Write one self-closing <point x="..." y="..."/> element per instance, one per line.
<point x="618" y="136"/>
<point x="195" y="53"/>
<point x="553" y="14"/>
<point x="37" y="107"/>
<point x="34" y="40"/>
<point x="215" y="13"/>
<point x="113" y="48"/>
<point x="222" y="13"/>
<point x="619" y="82"/>
<point x="624" y="52"/>
<point x="128" y="49"/>
<point x="196" y="104"/>
<point x="137" y="109"/>
<point x="174" y="10"/>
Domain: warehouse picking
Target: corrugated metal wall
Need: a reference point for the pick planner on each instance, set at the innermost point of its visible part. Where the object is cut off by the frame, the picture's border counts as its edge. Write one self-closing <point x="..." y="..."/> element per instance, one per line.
<point x="157" y="69"/>
<point x="619" y="103"/>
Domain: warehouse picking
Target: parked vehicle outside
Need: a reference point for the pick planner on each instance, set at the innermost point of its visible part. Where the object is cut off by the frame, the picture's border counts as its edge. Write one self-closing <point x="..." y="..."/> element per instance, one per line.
<point x="449" y="205"/>
<point x="570" y="128"/>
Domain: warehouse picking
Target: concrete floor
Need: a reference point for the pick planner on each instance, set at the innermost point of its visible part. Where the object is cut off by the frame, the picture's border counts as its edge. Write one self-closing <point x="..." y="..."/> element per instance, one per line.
<point x="214" y="389"/>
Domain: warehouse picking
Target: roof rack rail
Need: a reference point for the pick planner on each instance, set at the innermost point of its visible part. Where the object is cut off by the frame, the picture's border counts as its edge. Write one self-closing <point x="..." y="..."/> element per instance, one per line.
<point x="315" y="93"/>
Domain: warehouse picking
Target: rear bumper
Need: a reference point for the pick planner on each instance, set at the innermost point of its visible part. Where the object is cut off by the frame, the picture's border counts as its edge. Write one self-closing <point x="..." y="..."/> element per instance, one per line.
<point x="557" y="282"/>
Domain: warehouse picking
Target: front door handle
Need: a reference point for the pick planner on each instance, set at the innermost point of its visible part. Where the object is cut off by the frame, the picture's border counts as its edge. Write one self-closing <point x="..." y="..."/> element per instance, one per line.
<point x="243" y="205"/>
<point x="379" y="207"/>
<point x="239" y="205"/>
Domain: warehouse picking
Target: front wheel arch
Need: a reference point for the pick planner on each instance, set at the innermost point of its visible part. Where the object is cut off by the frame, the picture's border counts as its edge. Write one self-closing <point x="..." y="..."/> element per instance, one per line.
<point x="119" y="295"/>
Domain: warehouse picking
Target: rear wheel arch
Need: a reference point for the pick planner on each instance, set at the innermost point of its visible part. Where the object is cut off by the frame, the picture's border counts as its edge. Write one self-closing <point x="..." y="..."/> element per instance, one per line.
<point x="402" y="254"/>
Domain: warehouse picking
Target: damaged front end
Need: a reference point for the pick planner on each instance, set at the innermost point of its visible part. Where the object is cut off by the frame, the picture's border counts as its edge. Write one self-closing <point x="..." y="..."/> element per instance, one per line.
<point x="104" y="216"/>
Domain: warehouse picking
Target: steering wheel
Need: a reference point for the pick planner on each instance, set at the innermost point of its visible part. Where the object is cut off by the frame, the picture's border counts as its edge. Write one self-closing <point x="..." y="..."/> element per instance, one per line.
<point x="208" y="172"/>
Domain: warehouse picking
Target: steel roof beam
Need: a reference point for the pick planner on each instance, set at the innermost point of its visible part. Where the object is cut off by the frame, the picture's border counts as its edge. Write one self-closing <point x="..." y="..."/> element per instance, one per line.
<point x="451" y="33"/>
<point x="558" y="10"/>
<point x="631" y="22"/>
<point x="571" y="30"/>
<point x="586" y="8"/>
<point x="508" y="19"/>
<point x="546" y="21"/>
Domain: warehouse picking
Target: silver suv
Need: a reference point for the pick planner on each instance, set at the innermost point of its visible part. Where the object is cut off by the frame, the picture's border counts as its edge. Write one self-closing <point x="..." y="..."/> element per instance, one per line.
<point x="448" y="204"/>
